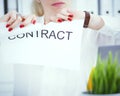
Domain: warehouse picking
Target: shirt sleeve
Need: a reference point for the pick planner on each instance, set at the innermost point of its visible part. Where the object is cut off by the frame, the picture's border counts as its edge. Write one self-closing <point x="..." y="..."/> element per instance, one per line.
<point x="107" y="36"/>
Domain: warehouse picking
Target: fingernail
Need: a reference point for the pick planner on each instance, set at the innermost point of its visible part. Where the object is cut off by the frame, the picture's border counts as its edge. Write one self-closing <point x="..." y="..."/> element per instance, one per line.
<point x="7" y="25"/>
<point x="70" y="15"/>
<point x="21" y="26"/>
<point x="34" y="21"/>
<point x="10" y="29"/>
<point x="69" y="19"/>
<point x="59" y="20"/>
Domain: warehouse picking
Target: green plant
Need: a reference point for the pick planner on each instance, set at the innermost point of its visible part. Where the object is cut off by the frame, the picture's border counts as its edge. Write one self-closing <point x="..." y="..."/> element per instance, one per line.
<point x="106" y="76"/>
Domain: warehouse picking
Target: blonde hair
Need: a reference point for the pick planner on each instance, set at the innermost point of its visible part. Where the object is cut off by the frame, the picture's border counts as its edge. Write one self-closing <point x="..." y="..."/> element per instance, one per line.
<point x="37" y="8"/>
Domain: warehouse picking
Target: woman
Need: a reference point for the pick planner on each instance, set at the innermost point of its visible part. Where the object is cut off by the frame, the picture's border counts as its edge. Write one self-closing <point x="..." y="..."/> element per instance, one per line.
<point x="58" y="11"/>
<point x="13" y="18"/>
<point x="51" y="81"/>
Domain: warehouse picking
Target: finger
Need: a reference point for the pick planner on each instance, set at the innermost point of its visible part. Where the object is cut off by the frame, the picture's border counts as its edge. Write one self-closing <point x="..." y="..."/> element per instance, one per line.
<point x="9" y="15"/>
<point x="12" y="19"/>
<point x="34" y="19"/>
<point x="27" y="20"/>
<point x="68" y="12"/>
<point x="14" y="22"/>
<point x="17" y="21"/>
<point x="62" y="17"/>
<point x="64" y="12"/>
<point x="47" y="21"/>
<point x="56" y="19"/>
<point x="50" y="19"/>
<point x="66" y="15"/>
<point x="65" y="18"/>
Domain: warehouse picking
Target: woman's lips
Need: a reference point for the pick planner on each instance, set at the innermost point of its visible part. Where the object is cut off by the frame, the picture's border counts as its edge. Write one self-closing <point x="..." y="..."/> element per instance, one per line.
<point x="57" y="4"/>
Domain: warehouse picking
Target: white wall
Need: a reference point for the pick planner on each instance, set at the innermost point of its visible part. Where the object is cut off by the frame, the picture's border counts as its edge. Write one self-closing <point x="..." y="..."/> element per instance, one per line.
<point x="24" y="6"/>
<point x="1" y="8"/>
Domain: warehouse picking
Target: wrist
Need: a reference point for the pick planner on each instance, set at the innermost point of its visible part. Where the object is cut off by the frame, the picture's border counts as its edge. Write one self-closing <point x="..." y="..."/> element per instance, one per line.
<point x="96" y="22"/>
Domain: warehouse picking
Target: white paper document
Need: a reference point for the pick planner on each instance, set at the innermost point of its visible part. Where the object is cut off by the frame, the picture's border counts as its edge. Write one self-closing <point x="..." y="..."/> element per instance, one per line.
<point x="54" y="44"/>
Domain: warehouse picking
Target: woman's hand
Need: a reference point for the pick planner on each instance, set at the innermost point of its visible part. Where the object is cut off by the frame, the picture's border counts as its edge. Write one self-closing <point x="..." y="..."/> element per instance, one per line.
<point x="65" y="15"/>
<point x="27" y="20"/>
<point x="13" y="19"/>
<point x="95" y="23"/>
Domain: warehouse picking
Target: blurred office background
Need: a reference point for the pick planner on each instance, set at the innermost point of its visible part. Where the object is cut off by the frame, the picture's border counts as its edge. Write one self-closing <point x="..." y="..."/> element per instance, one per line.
<point x="100" y="7"/>
<point x="108" y="9"/>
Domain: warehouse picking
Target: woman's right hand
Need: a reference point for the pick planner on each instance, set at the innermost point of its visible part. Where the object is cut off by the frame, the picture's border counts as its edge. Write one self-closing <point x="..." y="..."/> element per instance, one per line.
<point x="13" y="19"/>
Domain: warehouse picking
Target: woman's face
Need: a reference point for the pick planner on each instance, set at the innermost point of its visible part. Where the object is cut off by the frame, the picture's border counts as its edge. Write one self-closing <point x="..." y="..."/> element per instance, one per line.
<point x="55" y="5"/>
